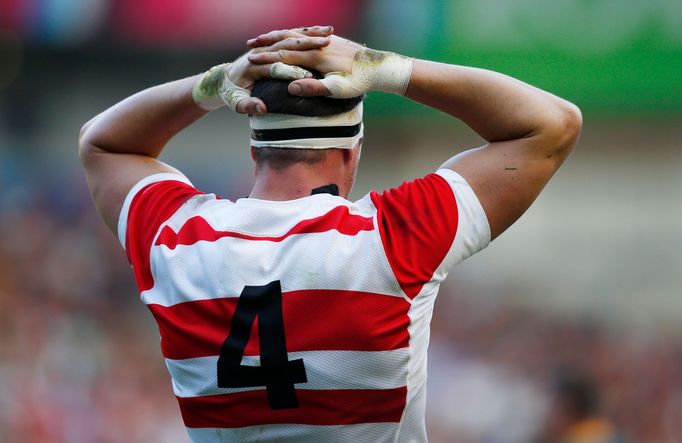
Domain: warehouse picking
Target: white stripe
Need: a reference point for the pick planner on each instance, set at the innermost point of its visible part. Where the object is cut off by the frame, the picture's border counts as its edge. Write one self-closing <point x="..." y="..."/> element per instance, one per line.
<point x="312" y="143"/>
<point x="123" y="216"/>
<point x="362" y="432"/>
<point x="328" y="260"/>
<point x="285" y="121"/>
<point x="195" y="377"/>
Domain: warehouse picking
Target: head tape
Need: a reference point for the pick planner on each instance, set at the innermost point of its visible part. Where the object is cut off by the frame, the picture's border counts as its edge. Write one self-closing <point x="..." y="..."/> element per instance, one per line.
<point x="299" y="132"/>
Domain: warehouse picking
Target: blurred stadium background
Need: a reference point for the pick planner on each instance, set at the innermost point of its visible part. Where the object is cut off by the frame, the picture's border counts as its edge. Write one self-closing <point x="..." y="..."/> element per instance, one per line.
<point x="590" y="279"/>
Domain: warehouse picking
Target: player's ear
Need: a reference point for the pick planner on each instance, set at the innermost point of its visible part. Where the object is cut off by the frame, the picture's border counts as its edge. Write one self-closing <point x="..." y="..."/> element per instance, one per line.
<point x="352" y="155"/>
<point x="351" y="158"/>
<point x="253" y="153"/>
<point x="348" y="155"/>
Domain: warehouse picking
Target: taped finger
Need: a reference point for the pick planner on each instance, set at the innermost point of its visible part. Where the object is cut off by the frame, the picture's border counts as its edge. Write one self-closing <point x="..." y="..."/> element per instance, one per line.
<point x="340" y="85"/>
<point x="233" y="94"/>
<point x="283" y="71"/>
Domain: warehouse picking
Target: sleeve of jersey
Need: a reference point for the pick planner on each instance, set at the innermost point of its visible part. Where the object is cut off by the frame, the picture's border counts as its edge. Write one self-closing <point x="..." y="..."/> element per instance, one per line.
<point x="148" y="205"/>
<point x="428" y="226"/>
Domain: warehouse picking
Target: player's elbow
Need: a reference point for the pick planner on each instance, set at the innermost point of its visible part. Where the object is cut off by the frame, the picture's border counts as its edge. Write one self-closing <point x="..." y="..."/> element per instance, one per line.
<point x="86" y="147"/>
<point x="571" y="123"/>
<point x="563" y="128"/>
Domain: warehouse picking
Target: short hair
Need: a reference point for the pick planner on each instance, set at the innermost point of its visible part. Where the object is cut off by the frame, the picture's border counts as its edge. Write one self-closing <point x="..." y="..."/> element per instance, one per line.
<point x="276" y="97"/>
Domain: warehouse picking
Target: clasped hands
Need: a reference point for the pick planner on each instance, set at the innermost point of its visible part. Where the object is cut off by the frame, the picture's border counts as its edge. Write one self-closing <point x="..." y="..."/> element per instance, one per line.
<point x="349" y="69"/>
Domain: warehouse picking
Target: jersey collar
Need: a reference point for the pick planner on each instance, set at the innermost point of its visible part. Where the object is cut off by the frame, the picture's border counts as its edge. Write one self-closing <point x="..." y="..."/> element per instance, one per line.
<point x="326" y="189"/>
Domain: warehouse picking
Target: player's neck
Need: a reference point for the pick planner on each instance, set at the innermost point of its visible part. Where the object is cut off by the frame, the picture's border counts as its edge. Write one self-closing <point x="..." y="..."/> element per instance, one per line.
<point x="296" y="181"/>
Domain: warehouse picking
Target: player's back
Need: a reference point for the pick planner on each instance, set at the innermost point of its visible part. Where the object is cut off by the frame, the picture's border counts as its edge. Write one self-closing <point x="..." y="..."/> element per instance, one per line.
<point x="291" y="320"/>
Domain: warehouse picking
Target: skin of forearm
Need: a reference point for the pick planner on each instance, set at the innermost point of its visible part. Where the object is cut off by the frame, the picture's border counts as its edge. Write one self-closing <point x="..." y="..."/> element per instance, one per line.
<point x="494" y="105"/>
<point x="144" y="123"/>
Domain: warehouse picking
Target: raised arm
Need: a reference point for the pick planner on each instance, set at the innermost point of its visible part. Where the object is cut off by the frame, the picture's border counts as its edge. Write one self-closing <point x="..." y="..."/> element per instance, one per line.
<point x="529" y="132"/>
<point x="119" y="147"/>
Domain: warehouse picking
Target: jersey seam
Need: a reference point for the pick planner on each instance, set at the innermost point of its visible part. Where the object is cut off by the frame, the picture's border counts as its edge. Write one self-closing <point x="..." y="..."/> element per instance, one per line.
<point x="451" y="184"/>
<point x="158" y="232"/>
<point x="451" y="249"/>
<point x="133" y="192"/>
<point x="410" y="348"/>
<point x="375" y="220"/>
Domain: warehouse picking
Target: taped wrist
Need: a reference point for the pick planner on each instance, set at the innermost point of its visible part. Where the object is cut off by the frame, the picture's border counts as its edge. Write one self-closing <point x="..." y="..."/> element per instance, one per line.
<point x="371" y="71"/>
<point x="383" y="71"/>
<point x="206" y="91"/>
<point x="215" y="90"/>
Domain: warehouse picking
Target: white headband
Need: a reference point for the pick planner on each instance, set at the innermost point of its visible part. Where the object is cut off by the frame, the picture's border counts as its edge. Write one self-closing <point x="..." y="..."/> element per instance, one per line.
<point x="294" y="131"/>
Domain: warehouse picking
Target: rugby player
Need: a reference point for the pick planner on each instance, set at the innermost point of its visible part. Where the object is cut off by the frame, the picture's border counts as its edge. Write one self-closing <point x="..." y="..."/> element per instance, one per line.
<point x="296" y="314"/>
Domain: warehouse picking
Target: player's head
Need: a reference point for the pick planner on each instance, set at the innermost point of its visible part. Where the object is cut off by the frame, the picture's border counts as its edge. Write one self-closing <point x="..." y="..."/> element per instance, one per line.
<point x="303" y="130"/>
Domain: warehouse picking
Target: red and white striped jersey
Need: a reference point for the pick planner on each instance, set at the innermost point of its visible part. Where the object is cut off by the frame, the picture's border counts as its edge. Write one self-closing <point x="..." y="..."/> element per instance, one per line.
<point x="304" y="320"/>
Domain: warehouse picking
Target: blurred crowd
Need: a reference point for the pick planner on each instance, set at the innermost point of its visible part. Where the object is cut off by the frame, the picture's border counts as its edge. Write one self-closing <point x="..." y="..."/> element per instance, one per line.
<point x="80" y="361"/>
<point x="636" y="379"/>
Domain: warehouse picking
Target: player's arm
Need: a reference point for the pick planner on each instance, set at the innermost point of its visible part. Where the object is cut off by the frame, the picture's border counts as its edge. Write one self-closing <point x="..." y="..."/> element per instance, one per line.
<point x="120" y="146"/>
<point x="529" y="132"/>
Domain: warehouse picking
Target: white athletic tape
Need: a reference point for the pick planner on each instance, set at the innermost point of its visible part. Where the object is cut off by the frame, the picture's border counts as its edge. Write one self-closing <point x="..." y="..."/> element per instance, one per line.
<point x="283" y="71"/>
<point x="311" y="143"/>
<point x="232" y="94"/>
<point x="371" y="71"/>
<point x="215" y="89"/>
<point x="206" y="91"/>
<point x="286" y="121"/>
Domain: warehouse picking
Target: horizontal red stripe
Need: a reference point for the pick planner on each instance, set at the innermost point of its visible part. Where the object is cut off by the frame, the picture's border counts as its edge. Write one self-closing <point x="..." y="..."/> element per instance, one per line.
<point x="198" y="229"/>
<point x="317" y="407"/>
<point x="314" y="320"/>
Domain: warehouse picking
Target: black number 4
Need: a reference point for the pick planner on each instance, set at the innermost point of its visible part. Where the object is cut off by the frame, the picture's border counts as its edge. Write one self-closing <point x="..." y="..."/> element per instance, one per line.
<point x="277" y="373"/>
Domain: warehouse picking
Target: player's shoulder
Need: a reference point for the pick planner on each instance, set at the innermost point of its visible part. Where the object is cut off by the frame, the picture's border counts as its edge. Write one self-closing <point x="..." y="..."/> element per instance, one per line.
<point x="436" y="188"/>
